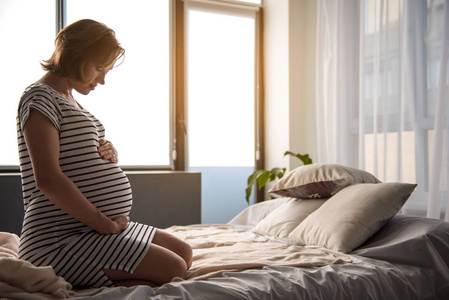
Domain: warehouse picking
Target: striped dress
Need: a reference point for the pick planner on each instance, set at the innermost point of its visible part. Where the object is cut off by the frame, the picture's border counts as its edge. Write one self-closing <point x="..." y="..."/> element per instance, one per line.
<point x="50" y="237"/>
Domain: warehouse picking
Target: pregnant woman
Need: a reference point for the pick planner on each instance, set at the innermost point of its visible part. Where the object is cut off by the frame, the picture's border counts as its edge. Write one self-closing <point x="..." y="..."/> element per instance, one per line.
<point x="76" y="198"/>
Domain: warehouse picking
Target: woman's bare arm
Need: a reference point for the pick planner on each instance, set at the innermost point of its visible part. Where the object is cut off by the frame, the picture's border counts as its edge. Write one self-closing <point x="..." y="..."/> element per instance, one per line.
<point x="42" y="139"/>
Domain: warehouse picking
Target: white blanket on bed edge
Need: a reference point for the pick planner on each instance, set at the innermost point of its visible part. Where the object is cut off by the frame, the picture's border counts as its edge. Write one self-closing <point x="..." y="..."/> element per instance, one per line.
<point x="19" y="279"/>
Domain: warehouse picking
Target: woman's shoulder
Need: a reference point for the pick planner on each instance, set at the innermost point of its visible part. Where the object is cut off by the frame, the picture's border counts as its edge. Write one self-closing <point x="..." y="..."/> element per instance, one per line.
<point x="40" y="92"/>
<point x="43" y="98"/>
<point x="37" y="88"/>
<point x="39" y="95"/>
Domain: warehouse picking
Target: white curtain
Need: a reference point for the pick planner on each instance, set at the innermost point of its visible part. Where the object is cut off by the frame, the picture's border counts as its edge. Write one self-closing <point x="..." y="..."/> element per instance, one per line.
<point x="383" y="92"/>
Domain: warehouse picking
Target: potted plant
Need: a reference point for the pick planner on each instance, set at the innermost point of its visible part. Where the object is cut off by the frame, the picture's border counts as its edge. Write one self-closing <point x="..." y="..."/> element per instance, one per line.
<point x="262" y="177"/>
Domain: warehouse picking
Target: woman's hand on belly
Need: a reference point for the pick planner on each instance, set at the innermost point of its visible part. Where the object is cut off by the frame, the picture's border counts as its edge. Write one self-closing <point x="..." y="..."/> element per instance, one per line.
<point x="107" y="151"/>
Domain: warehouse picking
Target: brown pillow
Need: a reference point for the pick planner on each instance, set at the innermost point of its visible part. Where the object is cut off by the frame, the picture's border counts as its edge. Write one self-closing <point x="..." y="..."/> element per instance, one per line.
<point x="319" y="181"/>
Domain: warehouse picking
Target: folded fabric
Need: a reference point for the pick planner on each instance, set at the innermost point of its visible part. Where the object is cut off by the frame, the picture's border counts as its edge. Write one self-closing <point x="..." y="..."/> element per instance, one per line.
<point x="20" y="279"/>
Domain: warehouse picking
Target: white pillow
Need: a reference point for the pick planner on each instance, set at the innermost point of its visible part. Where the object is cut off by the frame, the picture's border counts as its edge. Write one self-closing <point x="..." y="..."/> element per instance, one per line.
<point x="281" y="221"/>
<point x="353" y="215"/>
<point x="319" y="181"/>
<point x="253" y="214"/>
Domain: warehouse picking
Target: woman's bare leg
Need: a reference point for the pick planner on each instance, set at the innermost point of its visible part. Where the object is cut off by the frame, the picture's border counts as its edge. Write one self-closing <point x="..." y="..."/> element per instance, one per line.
<point x="174" y="244"/>
<point x="166" y="258"/>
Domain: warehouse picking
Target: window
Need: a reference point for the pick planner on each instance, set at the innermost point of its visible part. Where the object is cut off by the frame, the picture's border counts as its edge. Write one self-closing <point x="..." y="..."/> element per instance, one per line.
<point x="134" y="105"/>
<point x="220" y="87"/>
<point x="23" y="48"/>
<point x="402" y="44"/>
<point x="382" y="87"/>
<point x="221" y="68"/>
<point x="137" y="104"/>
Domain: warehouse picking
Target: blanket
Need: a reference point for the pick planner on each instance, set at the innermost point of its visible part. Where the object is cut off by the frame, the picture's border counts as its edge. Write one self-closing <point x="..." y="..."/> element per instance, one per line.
<point x="219" y="249"/>
<point x="19" y="279"/>
<point x="216" y="249"/>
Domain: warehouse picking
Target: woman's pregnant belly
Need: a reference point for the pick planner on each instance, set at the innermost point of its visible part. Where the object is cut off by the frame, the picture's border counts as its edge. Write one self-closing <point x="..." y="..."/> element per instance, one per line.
<point x="104" y="184"/>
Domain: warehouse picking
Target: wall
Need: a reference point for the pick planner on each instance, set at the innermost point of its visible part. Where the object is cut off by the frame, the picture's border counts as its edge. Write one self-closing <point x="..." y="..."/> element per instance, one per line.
<point x="276" y="81"/>
<point x="222" y="192"/>
<point x="289" y="62"/>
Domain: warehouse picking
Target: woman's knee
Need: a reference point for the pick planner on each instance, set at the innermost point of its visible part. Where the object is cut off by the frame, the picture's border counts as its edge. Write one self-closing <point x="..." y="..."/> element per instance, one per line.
<point x="161" y="265"/>
<point x="186" y="252"/>
<point x="174" y="244"/>
<point x="174" y="267"/>
<point x="178" y="269"/>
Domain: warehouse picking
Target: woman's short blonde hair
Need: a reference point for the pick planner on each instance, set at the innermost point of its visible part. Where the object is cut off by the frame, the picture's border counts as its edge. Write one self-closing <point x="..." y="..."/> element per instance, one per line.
<point x="85" y="41"/>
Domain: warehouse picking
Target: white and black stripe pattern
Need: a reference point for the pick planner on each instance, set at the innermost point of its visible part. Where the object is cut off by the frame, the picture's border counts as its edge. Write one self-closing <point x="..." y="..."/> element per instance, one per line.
<point x="50" y="237"/>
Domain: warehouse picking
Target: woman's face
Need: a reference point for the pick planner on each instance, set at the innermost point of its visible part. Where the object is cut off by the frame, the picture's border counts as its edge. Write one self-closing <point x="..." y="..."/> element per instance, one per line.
<point x="93" y="75"/>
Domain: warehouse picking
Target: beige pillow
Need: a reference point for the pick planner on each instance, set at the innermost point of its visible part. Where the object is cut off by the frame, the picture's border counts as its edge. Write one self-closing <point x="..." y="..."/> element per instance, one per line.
<point x="319" y="181"/>
<point x="281" y="221"/>
<point x="353" y="215"/>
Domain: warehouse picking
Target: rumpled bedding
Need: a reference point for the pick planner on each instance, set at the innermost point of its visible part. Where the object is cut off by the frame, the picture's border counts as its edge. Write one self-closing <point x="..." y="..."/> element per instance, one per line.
<point x="218" y="249"/>
<point x="19" y="279"/>
<point x="407" y="259"/>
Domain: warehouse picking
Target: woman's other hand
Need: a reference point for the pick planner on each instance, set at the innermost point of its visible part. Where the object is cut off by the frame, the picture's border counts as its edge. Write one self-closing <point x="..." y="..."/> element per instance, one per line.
<point x="107" y="151"/>
<point x="120" y="224"/>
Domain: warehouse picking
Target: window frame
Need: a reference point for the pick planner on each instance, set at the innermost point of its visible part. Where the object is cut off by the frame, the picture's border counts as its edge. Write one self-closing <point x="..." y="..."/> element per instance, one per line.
<point x="181" y="83"/>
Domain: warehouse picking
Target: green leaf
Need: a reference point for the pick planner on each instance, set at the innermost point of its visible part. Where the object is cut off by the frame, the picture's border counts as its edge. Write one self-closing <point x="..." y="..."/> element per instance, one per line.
<point x="253" y="177"/>
<point x="277" y="172"/>
<point x="306" y="160"/>
<point x="263" y="178"/>
<point x="248" y="191"/>
<point x="251" y="181"/>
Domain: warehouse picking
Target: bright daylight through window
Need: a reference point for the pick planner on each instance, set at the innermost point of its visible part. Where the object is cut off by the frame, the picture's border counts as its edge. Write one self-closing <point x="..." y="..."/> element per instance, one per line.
<point x="20" y="65"/>
<point x="220" y="86"/>
<point x="134" y="105"/>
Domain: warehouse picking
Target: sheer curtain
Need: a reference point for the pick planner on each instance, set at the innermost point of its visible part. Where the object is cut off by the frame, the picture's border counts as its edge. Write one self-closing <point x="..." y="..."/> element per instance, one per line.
<point x="383" y="93"/>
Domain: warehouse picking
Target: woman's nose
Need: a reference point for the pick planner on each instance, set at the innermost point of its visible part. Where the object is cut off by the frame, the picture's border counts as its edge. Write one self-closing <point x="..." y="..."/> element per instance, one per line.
<point x="101" y="78"/>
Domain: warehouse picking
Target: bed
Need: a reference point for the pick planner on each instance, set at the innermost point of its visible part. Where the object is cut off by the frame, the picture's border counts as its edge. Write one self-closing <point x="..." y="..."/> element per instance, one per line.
<point x="278" y="249"/>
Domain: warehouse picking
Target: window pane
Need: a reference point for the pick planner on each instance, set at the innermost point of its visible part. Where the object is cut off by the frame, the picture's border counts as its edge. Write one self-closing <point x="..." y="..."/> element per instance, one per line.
<point x="220" y="105"/>
<point x="134" y="105"/>
<point x="26" y="41"/>
<point x="220" y="75"/>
